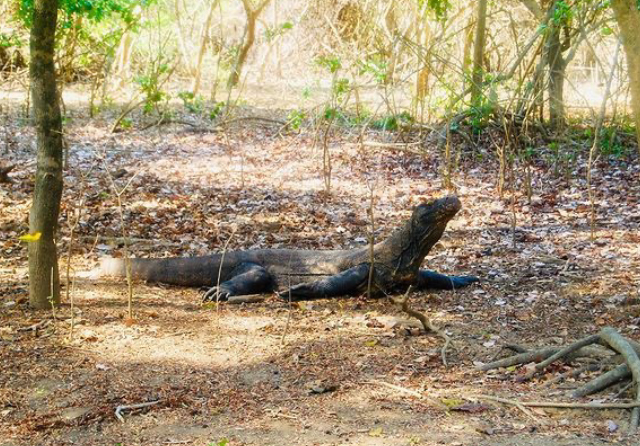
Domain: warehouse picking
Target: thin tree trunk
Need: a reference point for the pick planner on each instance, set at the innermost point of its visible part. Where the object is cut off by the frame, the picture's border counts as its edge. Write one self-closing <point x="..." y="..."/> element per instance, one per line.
<point x="466" y="50"/>
<point x="557" y="66"/>
<point x="423" y="36"/>
<point x="204" y="39"/>
<point x="249" y="38"/>
<point x="182" y="44"/>
<point x="122" y="65"/>
<point x="628" y="17"/>
<point x="478" y="52"/>
<point x="44" y="281"/>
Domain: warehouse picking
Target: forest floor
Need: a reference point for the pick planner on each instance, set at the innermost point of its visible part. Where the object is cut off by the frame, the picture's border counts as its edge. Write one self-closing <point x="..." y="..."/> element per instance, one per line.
<point x="327" y="372"/>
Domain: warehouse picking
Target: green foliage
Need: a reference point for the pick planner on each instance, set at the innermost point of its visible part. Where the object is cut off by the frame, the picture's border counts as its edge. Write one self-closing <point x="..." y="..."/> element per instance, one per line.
<point x="482" y="111"/>
<point x="330" y="113"/>
<point x="439" y="7"/>
<point x="126" y="123"/>
<point x="93" y="10"/>
<point x="612" y="139"/>
<point x="606" y="31"/>
<point x="528" y="154"/>
<point x="272" y="33"/>
<point x="195" y="104"/>
<point x="9" y="40"/>
<point x="480" y="116"/>
<point x="221" y="442"/>
<point x="610" y="143"/>
<point x="375" y="65"/>
<point x="296" y="118"/>
<point x="562" y="13"/>
<point x="340" y="87"/>
<point x="150" y="87"/>
<point x="216" y="110"/>
<point x="392" y="122"/>
<point x="331" y="63"/>
<point x="92" y="29"/>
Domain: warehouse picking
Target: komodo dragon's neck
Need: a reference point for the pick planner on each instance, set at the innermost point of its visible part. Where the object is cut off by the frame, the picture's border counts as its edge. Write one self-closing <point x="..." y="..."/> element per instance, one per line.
<point x="403" y="252"/>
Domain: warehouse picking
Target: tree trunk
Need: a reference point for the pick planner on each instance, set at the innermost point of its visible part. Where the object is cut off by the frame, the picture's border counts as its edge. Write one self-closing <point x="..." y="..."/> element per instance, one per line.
<point x="122" y="68"/>
<point x="628" y="17"/>
<point x="249" y="38"/>
<point x="183" y="47"/>
<point x="44" y="282"/>
<point x="478" y="52"/>
<point x="467" y="45"/>
<point x="204" y="40"/>
<point x="557" y="66"/>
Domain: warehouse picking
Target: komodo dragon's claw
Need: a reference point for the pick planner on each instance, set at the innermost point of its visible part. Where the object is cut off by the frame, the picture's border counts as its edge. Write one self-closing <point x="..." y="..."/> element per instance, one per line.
<point x="214" y="294"/>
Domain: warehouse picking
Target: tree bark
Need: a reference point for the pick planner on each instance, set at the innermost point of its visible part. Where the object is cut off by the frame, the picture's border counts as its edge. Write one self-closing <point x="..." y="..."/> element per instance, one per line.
<point x="44" y="282"/>
<point x="628" y="17"/>
<point x="249" y="38"/>
<point x="478" y="52"/>
<point x="557" y="66"/>
<point x="204" y="41"/>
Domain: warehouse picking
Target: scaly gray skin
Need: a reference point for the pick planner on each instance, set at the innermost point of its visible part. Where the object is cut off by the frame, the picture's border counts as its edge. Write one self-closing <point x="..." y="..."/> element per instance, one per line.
<point x="306" y="274"/>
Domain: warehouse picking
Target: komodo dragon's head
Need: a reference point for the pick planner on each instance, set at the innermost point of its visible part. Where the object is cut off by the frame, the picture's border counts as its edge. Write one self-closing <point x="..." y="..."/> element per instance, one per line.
<point x="436" y="212"/>
<point x="430" y="219"/>
<point x="408" y="247"/>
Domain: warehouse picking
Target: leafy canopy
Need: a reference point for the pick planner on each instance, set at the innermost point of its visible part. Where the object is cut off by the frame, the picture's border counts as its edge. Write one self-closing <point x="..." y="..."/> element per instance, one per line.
<point x="94" y="10"/>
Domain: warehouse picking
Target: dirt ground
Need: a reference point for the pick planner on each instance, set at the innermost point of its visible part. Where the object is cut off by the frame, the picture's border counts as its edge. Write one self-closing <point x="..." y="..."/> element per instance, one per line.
<point x="347" y="371"/>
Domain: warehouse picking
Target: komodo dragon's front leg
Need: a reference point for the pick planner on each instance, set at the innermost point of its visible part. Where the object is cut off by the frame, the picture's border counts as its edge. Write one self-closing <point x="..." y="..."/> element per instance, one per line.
<point x="344" y="283"/>
<point x="431" y="279"/>
<point x="246" y="278"/>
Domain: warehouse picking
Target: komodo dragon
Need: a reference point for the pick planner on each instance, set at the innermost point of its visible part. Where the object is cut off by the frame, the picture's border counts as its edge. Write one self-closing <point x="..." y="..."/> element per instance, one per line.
<point x="313" y="273"/>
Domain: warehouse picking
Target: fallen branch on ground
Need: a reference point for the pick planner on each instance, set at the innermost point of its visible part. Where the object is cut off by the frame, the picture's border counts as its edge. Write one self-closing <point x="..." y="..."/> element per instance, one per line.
<point x="626" y="349"/>
<point x="121" y="409"/>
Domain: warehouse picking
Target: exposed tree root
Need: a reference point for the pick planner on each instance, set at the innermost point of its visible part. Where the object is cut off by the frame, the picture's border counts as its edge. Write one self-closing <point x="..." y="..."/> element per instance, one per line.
<point x="627" y="350"/>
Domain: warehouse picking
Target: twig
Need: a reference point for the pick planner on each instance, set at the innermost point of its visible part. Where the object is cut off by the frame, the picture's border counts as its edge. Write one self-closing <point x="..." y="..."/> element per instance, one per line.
<point x="404" y="390"/>
<point x="289" y="307"/>
<point x="372" y="236"/>
<point x="132" y="106"/>
<point x="43" y="323"/>
<point x="426" y="323"/>
<point x="520" y="405"/>
<point x="125" y="249"/>
<point x="224" y="253"/>
<point x="121" y="409"/>
<point x="251" y="118"/>
<point x="561" y="405"/>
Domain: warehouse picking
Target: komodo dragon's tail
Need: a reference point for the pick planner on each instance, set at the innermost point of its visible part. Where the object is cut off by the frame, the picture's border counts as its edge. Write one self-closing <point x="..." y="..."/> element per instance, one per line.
<point x="111" y="267"/>
<point x="185" y="271"/>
